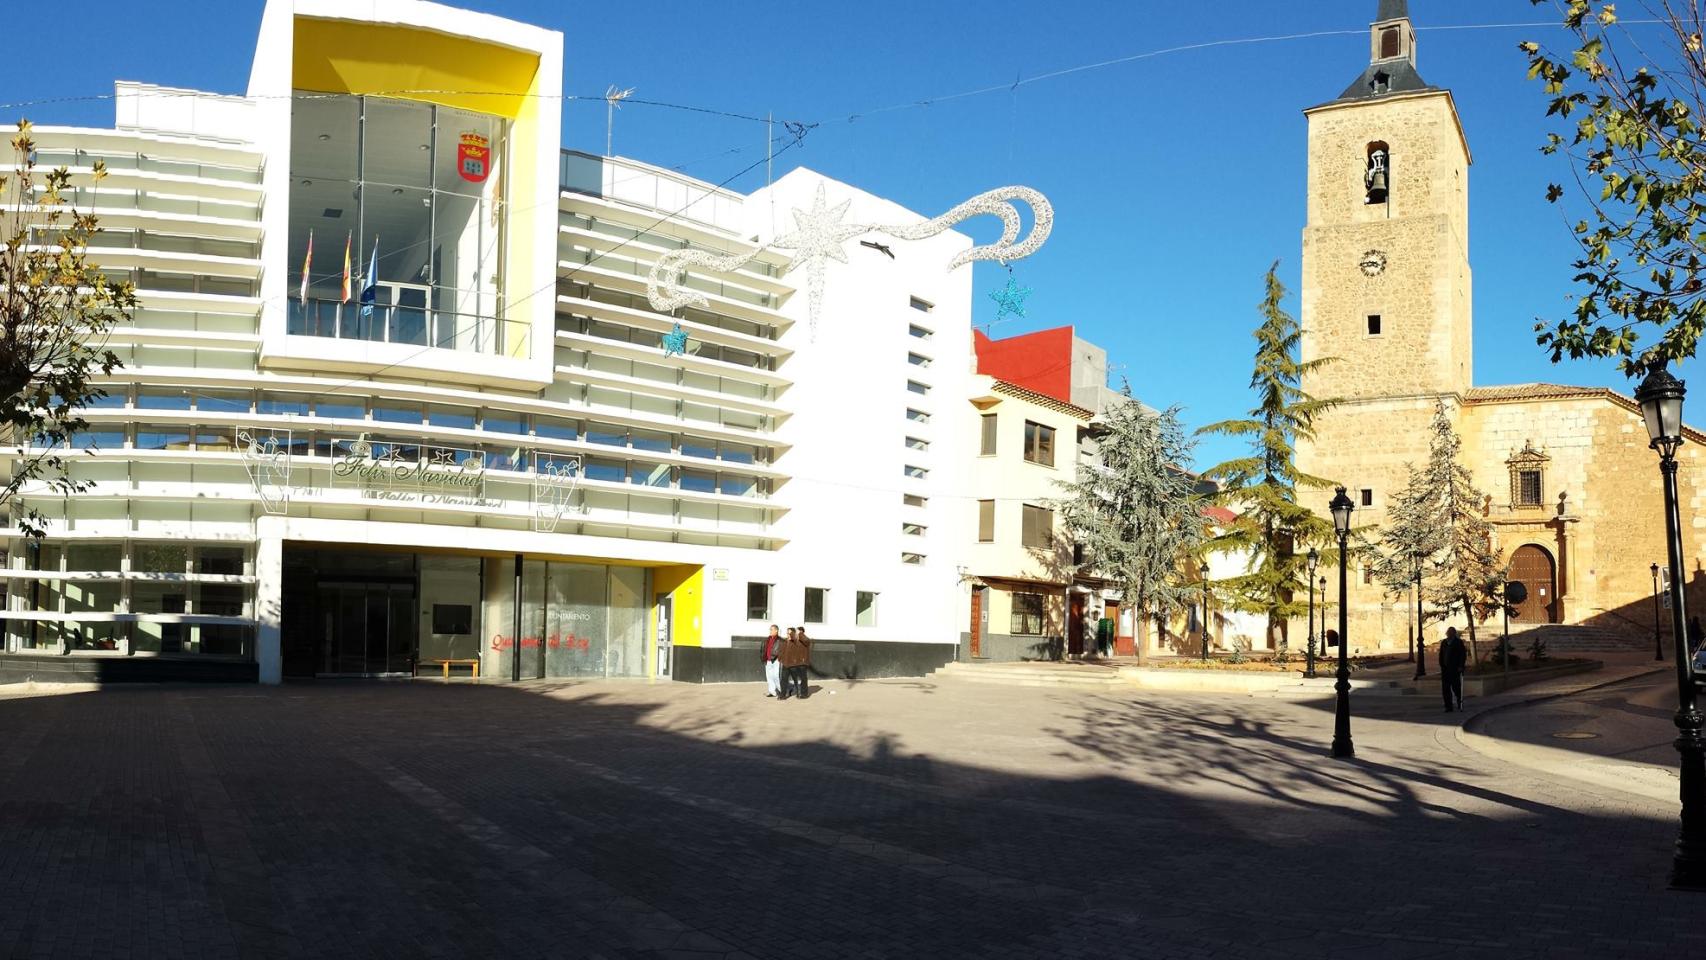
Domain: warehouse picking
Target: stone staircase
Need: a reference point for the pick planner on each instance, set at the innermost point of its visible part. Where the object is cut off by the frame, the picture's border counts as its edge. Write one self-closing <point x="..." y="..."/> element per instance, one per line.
<point x="1028" y="673"/>
<point x="1568" y="640"/>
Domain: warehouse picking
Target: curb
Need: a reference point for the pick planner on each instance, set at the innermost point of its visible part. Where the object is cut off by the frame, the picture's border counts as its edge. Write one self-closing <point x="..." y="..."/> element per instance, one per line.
<point x="1473" y="718"/>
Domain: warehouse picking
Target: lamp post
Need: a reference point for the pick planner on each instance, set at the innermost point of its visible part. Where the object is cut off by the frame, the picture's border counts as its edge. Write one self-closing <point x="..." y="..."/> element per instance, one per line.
<point x="1205" y="610"/>
<point x="1658" y="644"/>
<point x="1342" y="507"/>
<point x="1421" y="638"/>
<point x="1309" y="655"/>
<point x="1660" y="396"/>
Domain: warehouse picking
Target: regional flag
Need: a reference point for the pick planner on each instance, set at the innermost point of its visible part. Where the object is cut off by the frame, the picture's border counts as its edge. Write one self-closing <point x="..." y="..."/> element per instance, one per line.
<point x="307" y="264"/>
<point x="370" y="285"/>
<point x="347" y="238"/>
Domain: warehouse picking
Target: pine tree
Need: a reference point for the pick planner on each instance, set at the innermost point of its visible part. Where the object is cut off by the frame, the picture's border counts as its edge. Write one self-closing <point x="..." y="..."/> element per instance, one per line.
<point x="1409" y="539"/>
<point x="1137" y="514"/>
<point x="1261" y="488"/>
<point x="1437" y="522"/>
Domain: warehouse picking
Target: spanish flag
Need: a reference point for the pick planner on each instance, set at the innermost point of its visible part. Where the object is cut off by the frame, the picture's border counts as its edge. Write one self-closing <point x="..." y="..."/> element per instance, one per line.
<point x="347" y="239"/>
<point x="307" y="263"/>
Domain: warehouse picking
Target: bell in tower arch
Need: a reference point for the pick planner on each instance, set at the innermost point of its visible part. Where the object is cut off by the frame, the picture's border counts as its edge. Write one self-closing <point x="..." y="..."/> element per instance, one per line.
<point x="1374" y="178"/>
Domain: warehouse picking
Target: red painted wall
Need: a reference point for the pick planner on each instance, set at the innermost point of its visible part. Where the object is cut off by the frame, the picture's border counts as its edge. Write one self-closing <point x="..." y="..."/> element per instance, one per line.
<point x="1040" y="361"/>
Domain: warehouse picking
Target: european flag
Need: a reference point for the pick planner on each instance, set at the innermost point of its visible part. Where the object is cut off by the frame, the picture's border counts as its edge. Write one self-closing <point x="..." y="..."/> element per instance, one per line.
<point x="370" y="284"/>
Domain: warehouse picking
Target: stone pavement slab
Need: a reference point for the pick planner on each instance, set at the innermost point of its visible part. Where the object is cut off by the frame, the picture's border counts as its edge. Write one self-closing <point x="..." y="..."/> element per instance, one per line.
<point x="897" y="818"/>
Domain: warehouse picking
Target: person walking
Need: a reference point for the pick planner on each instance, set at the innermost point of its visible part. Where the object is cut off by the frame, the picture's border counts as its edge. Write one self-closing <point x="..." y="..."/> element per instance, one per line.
<point x="1453" y="656"/>
<point x="802" y="662"/>
<point x="771" y="654"/>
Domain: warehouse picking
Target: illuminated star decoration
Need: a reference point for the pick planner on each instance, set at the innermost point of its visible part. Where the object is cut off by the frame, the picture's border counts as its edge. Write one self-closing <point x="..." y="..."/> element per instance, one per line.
<point x="675" y="342"/>
<point x="818" y="236"/>
<point x="1010" y="300"/>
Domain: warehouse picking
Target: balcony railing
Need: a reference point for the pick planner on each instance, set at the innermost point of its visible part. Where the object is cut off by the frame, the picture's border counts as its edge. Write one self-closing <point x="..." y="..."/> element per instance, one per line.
<point x="411" y="325"/>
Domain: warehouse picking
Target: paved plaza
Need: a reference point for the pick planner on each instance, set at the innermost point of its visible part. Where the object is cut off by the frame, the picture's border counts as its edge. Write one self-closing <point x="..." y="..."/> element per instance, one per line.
<point x="901" y="818"/>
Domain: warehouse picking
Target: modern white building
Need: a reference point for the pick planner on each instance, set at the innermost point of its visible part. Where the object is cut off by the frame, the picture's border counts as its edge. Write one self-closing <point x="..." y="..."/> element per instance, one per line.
<point x="507" y="461"/>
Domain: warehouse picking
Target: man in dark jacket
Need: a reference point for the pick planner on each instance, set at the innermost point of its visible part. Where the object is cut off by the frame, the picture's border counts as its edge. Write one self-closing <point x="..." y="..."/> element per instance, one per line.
<point x="1453" y="656"/>
<point x="799" y="662"/>
<point x="771" y="654"/>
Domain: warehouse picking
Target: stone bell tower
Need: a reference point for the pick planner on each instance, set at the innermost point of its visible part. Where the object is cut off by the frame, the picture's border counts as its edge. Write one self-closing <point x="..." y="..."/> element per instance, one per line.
<point x="1386" y="286"/>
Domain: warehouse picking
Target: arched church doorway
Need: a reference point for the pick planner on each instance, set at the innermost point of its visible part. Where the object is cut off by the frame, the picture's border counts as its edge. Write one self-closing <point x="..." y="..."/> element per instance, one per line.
<point x="1534" y="566"/>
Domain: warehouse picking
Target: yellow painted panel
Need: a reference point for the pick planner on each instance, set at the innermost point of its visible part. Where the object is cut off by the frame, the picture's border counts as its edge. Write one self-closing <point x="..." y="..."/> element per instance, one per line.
<point x="341" y="56"/>
<point x="687" y="585"/>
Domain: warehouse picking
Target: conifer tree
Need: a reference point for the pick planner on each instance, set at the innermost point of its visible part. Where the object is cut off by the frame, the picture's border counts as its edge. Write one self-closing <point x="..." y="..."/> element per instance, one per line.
<point x="1437" y="520"/>
<point x="1137" y="514"/>
<point x="1409" y="539"/>
<point x="1272" y="528"/>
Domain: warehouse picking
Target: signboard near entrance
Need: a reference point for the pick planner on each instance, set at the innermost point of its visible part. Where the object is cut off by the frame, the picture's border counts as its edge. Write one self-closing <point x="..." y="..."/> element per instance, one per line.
<point x="425" y="473"/>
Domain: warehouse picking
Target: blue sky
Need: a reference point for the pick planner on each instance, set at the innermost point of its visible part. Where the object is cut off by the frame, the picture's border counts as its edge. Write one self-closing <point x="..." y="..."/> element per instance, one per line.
<point x="1176" y="179"/>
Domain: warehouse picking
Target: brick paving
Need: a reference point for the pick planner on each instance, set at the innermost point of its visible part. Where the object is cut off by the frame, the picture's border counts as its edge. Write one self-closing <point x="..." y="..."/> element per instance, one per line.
<point x="907" y="818"/>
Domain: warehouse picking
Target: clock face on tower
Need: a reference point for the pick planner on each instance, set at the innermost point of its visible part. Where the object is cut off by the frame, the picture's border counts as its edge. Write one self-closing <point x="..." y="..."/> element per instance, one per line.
<point x="1373" y="263"/>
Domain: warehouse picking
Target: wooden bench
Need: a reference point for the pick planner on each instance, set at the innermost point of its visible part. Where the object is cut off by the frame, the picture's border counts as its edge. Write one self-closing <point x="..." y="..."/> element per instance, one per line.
<point x="472" y="664"/>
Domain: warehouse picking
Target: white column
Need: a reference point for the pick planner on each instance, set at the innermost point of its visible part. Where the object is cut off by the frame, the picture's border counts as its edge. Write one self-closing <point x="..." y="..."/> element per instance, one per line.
<point x="269" y="591"/>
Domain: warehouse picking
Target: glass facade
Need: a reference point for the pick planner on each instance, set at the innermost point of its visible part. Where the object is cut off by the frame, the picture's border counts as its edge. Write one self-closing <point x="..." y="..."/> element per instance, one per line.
<point x="412" y="191"/>
<point x="130" y="597"/>
<point x="577" y="620"/>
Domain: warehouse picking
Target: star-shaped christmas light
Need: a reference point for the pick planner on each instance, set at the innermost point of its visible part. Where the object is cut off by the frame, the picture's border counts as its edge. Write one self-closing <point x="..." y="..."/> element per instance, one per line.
<point x="1010" y="299"/>
<point x="675" y="342"/>
<point x="818" y="237"/>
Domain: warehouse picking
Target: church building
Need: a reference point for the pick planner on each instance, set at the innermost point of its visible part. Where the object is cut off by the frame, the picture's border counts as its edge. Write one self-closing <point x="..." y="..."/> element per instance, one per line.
<point x="1573" y="492"/>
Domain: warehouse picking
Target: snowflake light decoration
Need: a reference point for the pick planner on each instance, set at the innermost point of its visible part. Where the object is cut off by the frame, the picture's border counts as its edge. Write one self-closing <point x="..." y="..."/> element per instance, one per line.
<point x="820" y="235"/>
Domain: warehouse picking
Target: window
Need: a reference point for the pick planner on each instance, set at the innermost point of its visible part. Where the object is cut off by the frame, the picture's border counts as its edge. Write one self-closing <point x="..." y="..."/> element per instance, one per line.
<point x="283" y="404"/>
<point x="922" y="389"/>
<point x="1528" y="488"/>
<point x="1038" y="527"/>
<point x="162" y="398"/>
<point x="1367" y="497"/>
<point x="865" y="608"/>
<point x="1389" y="43"/>
<point x="917" y="416"/>
<point x="1527" y="475"/>
<point x="918" y="359"/>
<point x="1374" y="324"/>
<point x="914" y="559"/>
<point x="914" y="500"/>
<point x="987" y="447"/>
<point x="916" y="473"/>
<point x="758" y="601"/>
<point x="913" y="443"/>
<point x="1027" y="619"/>
<point x="455" y="418"/>
<point x="342" y="408"/>
<point x="391" y="412"/>
<point x="922" y="305"/>
<point x="1039" y="444"/>
<point x="922" y="333"/>
<point x="912" y="529"/>
<point x="817" y="601"/>
<point x="1381" y="82"/>
<point x="986" y="521"/>
<point x="1367" y="575"/>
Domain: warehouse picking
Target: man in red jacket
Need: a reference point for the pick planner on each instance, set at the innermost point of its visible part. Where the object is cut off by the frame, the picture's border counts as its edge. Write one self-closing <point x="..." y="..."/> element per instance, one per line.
<point x="772" y="654"/>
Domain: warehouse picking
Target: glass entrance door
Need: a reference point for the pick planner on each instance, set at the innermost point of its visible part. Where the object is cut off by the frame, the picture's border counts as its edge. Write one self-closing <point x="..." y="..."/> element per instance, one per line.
<point x="369" y="628"/>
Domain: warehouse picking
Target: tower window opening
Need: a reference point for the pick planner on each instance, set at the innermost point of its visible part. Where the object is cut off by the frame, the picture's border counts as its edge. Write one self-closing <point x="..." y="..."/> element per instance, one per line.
<point x="1374" y="324"/>
<point x="1381" y="83"/>
<point x="1377" y="173"/>
<point x="1389" y="43"/>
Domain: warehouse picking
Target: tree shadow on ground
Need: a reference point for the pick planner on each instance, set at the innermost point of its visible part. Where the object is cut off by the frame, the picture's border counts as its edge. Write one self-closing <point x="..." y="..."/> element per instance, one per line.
<point x="593" y="819"/>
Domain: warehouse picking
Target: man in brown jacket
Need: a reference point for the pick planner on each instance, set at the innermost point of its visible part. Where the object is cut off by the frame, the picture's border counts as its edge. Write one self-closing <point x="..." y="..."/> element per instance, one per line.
<point x="797" y="662"/>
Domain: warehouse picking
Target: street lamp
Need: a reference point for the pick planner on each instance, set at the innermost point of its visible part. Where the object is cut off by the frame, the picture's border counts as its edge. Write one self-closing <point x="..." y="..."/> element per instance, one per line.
<point x="1658" y="644"/>
<point x="1309" y="656"/>
<point x="1342" y="507"/>
<point x="1660" y="396"/>
<point x="1205" y="610"/>
<point x="1421" y="637"/>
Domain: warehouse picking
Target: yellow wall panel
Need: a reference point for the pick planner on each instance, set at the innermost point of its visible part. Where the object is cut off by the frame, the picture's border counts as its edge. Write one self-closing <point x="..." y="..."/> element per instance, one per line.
<point x="339" y="56"/>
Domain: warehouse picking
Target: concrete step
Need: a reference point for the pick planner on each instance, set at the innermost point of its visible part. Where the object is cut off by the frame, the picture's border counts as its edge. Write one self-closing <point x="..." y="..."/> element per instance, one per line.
<point x="1571" y="639"/>
<point x="1028" y="674"/>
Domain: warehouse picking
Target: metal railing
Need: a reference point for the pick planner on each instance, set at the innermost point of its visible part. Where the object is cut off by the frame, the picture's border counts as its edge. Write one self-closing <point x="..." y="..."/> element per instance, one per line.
<point x="410" y="325"/>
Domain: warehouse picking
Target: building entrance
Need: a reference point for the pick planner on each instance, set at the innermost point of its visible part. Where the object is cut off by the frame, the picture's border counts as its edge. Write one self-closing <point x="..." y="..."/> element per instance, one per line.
<point x="368" y="626"/>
